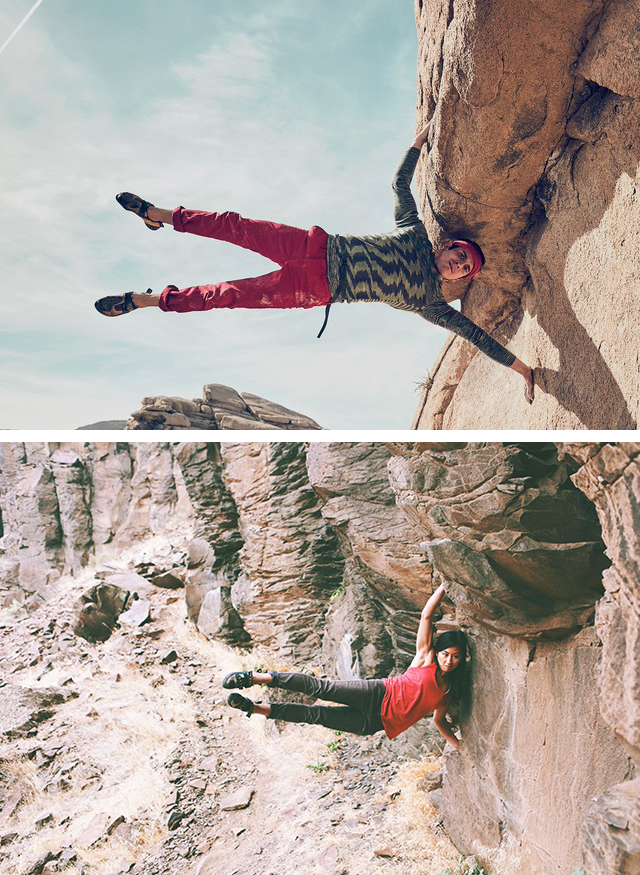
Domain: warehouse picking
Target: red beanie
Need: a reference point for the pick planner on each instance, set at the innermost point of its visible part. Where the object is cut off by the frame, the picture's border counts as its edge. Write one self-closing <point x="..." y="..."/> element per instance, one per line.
<point x="475" y="253"/>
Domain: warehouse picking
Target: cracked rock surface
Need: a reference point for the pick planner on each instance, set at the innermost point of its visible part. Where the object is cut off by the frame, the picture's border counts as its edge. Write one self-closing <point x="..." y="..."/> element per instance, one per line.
<point x="534" y="153"/>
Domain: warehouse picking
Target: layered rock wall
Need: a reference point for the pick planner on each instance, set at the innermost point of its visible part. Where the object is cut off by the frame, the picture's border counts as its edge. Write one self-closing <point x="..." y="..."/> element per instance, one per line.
<point x="63" y="505"/>
<point x="520" y="552"/>
<point x="534" y="153"/>
<point x="610" y="477"/>
<point x="383" y="557"/>
<point x="280" y="559"/>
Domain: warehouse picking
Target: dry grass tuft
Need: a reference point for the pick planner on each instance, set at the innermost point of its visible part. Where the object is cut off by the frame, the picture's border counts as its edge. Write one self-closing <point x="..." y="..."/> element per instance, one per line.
<point x="409" y="829"/>
<point x="424" y="385"/>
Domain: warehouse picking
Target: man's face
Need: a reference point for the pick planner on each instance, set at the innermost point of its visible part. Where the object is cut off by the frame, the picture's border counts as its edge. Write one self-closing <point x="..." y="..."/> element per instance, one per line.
<point x="453" y="263"/>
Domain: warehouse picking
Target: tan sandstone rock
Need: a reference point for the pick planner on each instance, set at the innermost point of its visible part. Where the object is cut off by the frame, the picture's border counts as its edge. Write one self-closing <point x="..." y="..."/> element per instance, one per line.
<point x="535" y="754"/>
<point x="611" y="479"/>
<point x="535" y="153"/>
<point x="221" y="407"/>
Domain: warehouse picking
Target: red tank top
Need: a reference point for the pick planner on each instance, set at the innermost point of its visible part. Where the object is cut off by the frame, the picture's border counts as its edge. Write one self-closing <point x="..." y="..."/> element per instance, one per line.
<point x="410" y="697"/>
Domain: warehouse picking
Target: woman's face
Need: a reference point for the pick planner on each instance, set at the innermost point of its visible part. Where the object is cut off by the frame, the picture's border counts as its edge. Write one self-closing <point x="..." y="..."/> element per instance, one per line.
<point x="449" y="658"/>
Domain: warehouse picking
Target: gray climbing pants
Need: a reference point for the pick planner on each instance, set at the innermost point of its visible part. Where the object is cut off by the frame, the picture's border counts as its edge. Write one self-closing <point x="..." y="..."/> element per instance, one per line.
<point x="361" y="702"/>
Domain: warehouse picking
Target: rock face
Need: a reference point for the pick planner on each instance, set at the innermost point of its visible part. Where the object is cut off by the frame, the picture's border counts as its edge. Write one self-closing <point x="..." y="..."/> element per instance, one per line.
<point x="535" y="753"/>
<point x="384" y="559"/>
<point x="221" y="407"/>
<point x="325" y="553"/>
<point x="611" y="479"/>
<point x="62" y="505"/>
<point x="515" y="541"/>
<point x="534" y="152"/>
<point x="273" y="557"/>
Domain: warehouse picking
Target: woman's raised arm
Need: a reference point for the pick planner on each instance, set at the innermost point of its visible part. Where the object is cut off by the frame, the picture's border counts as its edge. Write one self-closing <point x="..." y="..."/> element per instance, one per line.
<point x="424" y="642"/>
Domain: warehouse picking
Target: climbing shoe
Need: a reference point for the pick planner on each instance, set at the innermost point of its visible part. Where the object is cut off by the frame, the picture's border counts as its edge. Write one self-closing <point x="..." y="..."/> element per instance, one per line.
<point x="238" y="680"/>
<point x="137" y="205"/>
<point x="241" y="703"/>
<point x="116" y="305"/>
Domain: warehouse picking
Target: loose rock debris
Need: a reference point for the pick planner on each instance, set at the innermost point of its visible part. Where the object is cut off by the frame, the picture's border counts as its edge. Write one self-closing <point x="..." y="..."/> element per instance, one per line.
<point x="122" y="756"/>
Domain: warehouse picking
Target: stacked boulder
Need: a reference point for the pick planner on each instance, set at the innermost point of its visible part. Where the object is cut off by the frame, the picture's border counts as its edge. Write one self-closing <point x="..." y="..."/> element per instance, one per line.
<point x="221" y="407"/>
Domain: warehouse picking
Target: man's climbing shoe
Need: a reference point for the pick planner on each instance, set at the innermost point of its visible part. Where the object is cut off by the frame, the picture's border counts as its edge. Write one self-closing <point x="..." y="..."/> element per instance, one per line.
<point x="238" y="680"/>
<point x="241" y="703"/>
<point x="116" y="305"/>
<point x="140" y="207"/>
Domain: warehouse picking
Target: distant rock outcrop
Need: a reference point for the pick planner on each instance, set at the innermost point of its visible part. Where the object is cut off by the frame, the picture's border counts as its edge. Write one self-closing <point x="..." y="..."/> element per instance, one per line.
<point x="63" y="504"/>
<point x="534" y="151"/>
<point x="220" y="408"/>
<point x="105" y="425"/>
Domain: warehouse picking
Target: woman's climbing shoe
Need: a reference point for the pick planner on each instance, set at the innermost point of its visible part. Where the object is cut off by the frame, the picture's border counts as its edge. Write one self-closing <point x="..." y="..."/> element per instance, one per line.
<point x="137" y="205"/>
<point x="241" y="703"/>
<point x="116" y="305"/>
<point x="238" y="680"/>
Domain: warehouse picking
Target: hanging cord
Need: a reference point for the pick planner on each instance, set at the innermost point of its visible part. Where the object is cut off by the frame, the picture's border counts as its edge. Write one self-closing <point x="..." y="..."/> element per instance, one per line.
<point x="326" y="314"/>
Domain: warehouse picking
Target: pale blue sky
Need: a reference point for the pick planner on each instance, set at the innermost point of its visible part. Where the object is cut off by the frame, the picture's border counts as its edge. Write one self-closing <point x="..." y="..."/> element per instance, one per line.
<point x="293" y="111"/>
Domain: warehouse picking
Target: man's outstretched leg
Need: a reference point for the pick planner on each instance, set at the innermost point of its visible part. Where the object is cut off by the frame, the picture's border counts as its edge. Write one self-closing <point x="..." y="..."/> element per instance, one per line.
<point x="296" y="284"/>
<point x="278" y="242"/>
<point x="301" y="281"/>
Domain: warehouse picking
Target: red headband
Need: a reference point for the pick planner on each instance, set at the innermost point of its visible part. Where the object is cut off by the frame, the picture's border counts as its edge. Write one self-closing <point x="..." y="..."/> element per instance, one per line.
<point x="474" y="253"/>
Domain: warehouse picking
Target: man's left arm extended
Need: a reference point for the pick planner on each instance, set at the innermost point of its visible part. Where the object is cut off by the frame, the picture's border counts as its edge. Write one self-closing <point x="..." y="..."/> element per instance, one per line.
<point x="443" y="314"/>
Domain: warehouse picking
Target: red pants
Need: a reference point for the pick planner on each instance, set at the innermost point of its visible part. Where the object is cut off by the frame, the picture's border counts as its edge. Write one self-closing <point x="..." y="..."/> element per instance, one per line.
<point x="300" y="282"/>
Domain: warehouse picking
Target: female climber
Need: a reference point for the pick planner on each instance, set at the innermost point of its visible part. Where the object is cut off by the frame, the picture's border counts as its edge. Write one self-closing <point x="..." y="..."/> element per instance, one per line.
<point x="437" y="678"/>
<point x="316" y="268"/>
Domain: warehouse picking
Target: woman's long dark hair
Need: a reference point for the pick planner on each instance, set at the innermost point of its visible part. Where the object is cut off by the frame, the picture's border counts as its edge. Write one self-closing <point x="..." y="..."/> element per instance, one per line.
<point x="460" y="677"/>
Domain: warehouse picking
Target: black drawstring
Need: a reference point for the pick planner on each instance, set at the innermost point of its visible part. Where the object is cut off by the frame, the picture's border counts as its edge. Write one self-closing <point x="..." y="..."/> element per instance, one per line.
<point x="326" y="318"/>
<point x="326" y="314"/>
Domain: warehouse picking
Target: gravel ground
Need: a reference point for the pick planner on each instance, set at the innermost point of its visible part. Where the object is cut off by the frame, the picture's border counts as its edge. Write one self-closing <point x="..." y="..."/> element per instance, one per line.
<point x="124" y="757"/>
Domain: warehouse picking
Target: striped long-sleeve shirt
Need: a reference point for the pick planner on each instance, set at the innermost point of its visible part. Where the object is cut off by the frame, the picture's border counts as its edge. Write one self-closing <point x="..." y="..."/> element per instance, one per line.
<point x="399" y="269"/>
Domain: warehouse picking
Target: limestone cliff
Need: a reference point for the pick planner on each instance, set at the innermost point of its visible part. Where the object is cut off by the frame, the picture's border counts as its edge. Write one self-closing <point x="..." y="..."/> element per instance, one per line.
<point x="534" y="152"/>
<point x="324" y="554"/>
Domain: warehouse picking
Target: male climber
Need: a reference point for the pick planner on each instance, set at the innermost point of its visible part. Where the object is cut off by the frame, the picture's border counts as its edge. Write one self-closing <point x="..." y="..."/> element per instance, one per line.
<point x="400" y="268"/>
